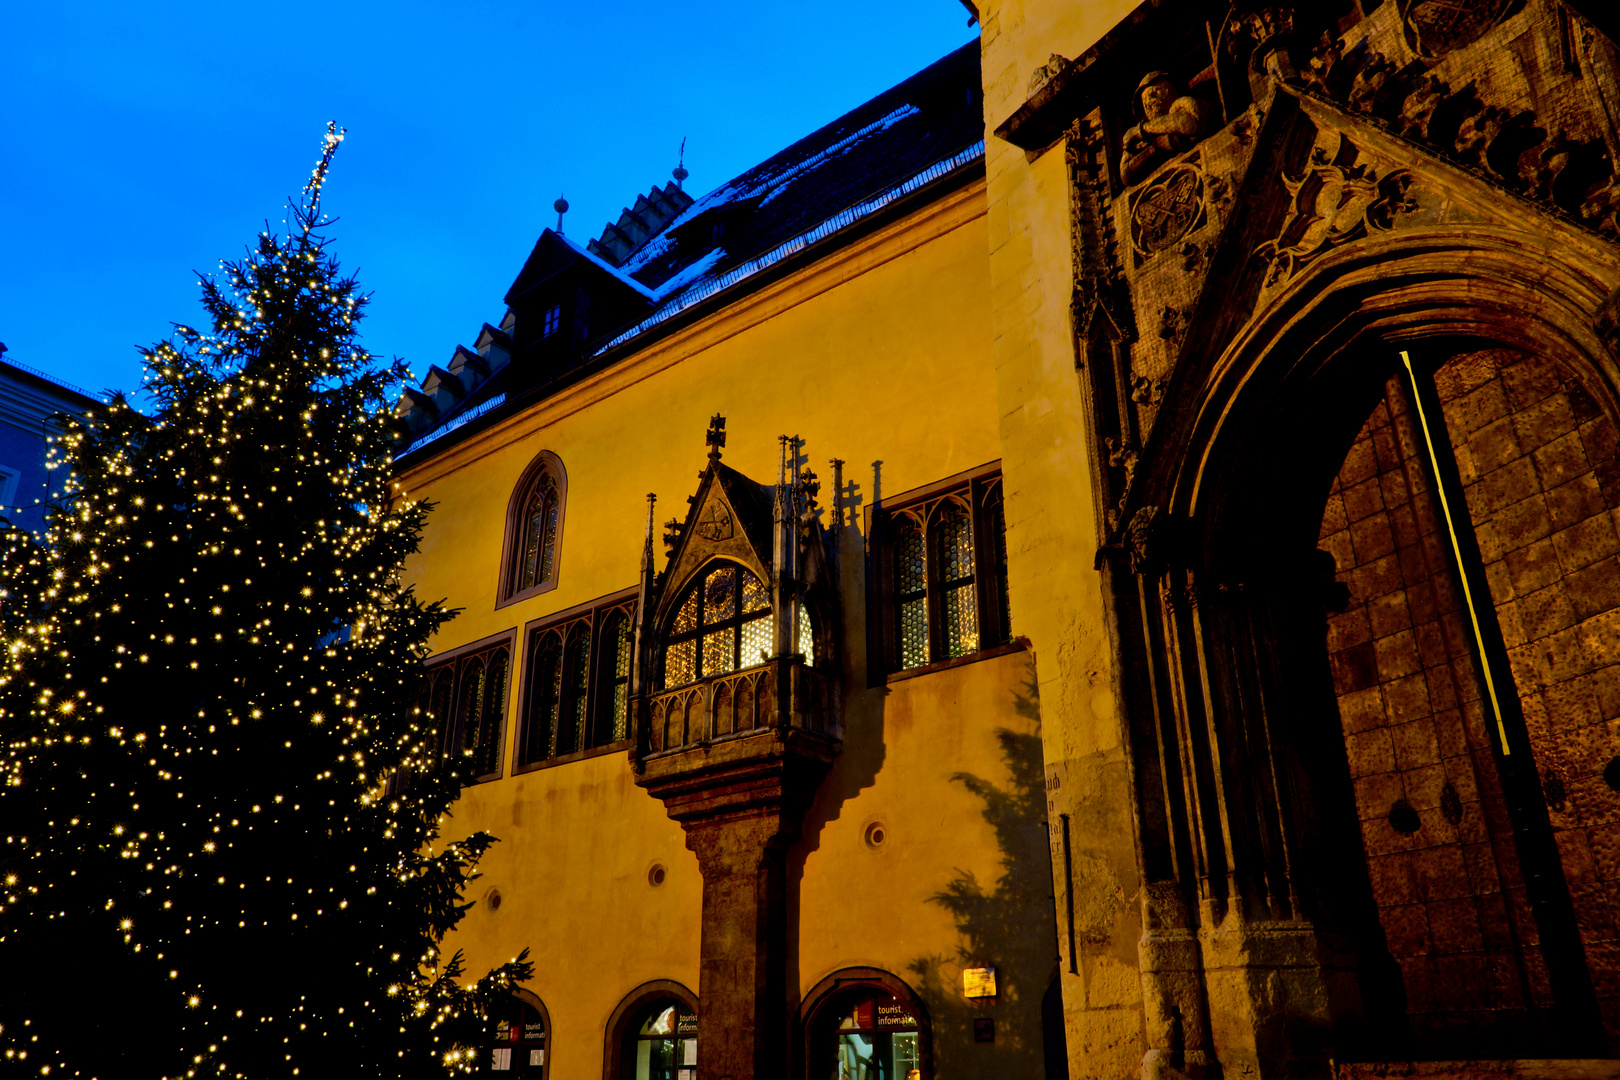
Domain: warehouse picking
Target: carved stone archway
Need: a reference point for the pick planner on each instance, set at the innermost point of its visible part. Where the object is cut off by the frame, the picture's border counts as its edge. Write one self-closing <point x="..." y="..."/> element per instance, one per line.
<point x="1258" y="949"/>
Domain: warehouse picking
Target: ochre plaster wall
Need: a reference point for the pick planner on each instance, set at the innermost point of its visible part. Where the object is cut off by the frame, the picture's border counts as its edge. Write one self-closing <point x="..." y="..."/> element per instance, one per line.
<point x="1052" y="536"/>
<point x="879" y="354"/>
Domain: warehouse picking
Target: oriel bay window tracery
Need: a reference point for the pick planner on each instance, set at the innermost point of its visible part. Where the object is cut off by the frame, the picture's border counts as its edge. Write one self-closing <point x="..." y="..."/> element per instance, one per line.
<point x="576" y="695"/>
<point x="724" y="624"/>
<point x="945" y="557"/>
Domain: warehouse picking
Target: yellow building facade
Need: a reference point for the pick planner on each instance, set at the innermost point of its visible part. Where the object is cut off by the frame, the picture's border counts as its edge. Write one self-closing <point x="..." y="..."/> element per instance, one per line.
<point x="1189" y="650"/>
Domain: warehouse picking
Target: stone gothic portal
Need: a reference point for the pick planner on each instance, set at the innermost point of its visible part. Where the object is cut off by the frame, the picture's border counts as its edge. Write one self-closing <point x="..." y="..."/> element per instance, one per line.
<point x="1496" y="879"/>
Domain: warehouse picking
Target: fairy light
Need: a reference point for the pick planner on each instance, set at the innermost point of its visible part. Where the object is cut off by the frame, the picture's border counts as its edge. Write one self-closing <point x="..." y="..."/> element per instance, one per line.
<point x="202" y="786"/>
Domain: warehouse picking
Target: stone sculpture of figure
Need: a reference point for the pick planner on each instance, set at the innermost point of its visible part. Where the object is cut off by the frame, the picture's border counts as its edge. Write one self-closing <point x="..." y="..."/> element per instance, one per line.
<point x="1168" y="123"/>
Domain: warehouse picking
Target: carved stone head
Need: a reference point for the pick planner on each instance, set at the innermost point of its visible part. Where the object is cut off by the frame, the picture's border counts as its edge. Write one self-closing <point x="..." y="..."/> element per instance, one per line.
<point x="1154" y="95"/>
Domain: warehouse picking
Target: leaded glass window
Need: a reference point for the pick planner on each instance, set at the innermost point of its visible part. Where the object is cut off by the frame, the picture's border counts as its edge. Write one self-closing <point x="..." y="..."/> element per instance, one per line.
<point x="485" y="737"/>
<point x="576" y="688"/>
<point x="723" y="624"/>
<point x="534" y="526"/>
<point x="945" y="574"/>
<point x="954" y="535"/>
<point x="616" y="644"/>
<point x="539" y="546"/>
<point x="911" y="591"/>
<point x="578" y="692"/>
<point x="545" y="697"/>
<point x="467" y="705"/>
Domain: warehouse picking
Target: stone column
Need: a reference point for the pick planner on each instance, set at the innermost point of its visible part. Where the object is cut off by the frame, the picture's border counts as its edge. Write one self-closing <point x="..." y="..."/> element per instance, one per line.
<point x="741" y="802"/>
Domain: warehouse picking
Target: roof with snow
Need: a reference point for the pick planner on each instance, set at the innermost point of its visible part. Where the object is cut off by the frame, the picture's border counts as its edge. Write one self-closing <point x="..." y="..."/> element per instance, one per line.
<point x="926" y="129"/>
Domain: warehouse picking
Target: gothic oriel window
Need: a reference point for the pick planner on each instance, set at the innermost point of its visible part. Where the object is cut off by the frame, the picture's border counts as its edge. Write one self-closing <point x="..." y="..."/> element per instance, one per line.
<point x="723" y="624"/>
<point x="577" y="692"/>
<point x="466" y="703"/>
<point x="944" y="572"/>
<point x="534" y="522"/>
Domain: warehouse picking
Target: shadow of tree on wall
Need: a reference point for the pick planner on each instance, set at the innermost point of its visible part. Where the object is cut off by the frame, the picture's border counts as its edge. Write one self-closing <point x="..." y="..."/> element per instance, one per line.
<point x="1008" y="926"/>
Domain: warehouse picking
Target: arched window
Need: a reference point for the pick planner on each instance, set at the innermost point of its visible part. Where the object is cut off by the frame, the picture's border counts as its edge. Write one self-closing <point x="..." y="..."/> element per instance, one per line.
<point x="653" y="1034"/>
<point x="519" y="1038"/>
<point x="723" y="624"/>
<point x="665" y="1042"/>
<point x="534" y="521"/>
<point x="865" y="1024"/>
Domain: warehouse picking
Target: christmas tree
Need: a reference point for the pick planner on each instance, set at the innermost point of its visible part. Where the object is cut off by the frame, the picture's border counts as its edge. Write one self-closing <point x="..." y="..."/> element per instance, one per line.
<point x="219" y="802"/>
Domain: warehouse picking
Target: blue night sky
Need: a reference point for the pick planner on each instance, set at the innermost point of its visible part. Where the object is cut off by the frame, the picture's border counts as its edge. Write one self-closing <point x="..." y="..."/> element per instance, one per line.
<point x="140" y="143"/>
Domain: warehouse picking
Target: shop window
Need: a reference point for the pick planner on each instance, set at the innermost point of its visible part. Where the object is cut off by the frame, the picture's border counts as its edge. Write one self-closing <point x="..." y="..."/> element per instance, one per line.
<point x="725" y="624"/>
<point x="942" y="578"/>
<point x="652" y="1034"/>
<point x="534" y="522"/>
<point x="664" y="1043"/>
<point x="466" y="703"/>
<point x="866" y="1024"/>
<point x="518" y="1041"/>
<point x="577" y="686"/>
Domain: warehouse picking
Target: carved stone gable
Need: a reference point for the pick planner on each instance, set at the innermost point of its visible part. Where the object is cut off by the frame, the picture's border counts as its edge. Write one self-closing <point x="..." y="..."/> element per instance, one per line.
<point x="718" y="528"/>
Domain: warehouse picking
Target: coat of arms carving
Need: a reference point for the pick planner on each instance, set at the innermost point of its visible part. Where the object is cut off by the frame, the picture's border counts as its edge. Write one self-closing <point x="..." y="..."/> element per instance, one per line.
<point x="1167" y="209"/>
<point x="715" y="524"/>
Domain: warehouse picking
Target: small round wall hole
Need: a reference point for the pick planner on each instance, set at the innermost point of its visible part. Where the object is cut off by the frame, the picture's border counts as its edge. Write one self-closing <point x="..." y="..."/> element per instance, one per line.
<point x="656" y="874"/>
<point x="1611" y="773"/>
<point x="876" y="834"/>
<point x="1403" y="819"/>
<point x="492" y="900"/>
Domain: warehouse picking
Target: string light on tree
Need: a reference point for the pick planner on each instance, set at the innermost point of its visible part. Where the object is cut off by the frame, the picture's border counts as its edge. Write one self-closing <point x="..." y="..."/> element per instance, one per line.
<point x="220" y="851"/>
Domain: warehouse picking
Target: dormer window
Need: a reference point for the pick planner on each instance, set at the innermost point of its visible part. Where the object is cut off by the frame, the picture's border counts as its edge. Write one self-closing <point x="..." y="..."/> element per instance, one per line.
<point x="553" y="320"/>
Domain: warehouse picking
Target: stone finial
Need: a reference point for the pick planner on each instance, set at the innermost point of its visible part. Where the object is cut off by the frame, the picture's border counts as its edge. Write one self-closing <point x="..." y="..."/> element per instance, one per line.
<point x="715" y="437"/>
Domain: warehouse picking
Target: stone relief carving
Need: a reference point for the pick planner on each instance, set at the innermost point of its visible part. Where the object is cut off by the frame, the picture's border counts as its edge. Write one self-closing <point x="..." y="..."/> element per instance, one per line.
<point x="1168" y="122"/>
<point x="1167" y="209"/>
<point x="1511" y="148"/>
<point x="1046" y="73"/>
<point x="1436" y="27"/>
<point x="1333" y="201"/>
<point x="1146" y="391"/>
<point x="1172" y="321"/>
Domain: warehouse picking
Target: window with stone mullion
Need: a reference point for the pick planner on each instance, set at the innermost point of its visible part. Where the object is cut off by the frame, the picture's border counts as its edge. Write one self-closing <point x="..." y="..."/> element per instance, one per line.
<point x="945" y="570"/>
<point x="718" y="627"/>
